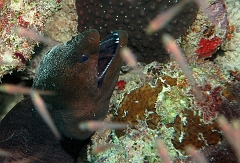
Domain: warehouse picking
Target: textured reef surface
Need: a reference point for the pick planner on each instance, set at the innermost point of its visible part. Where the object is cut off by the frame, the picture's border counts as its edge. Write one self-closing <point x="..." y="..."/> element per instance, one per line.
<point x="159" y="102"/>
<point x="53" y="18"/>
<point x="133" y="17"/>
<point x="31" y="15"/>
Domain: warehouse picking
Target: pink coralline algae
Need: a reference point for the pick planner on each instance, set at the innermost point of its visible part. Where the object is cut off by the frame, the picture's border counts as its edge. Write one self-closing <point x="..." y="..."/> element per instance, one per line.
<point x="206" y="47"/>
<point x="218" y="15"/>
<point x="1" y="4"/>
<point x="209" y="44"/>
<point x="213" y="100"/>
<point x="120" y="85"/>
<point x="223" y="152"/>
<point x="21" y="57"/>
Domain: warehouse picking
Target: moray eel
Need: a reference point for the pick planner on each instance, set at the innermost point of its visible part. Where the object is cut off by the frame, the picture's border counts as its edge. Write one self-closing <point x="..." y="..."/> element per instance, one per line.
<point x="82" y="73"/>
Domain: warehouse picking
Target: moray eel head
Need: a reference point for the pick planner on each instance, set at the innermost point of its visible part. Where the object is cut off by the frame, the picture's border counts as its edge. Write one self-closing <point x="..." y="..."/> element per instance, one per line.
<point x="82" y="73"/>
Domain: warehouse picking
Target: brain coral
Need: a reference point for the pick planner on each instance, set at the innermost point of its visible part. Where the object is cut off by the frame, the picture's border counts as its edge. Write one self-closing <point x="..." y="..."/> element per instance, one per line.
<point x="133" y="17"/>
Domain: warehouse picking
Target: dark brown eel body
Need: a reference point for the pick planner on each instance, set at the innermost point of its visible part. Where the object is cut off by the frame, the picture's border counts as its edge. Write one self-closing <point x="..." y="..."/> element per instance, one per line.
<point x="83" y="75"/>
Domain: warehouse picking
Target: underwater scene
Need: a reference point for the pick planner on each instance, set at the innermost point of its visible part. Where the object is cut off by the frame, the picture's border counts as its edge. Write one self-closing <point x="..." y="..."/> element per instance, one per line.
<point x="120" y="81"/>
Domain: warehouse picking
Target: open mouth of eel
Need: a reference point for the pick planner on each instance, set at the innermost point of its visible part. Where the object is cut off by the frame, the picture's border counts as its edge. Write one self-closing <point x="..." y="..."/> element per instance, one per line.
<point x="108" y="50"/>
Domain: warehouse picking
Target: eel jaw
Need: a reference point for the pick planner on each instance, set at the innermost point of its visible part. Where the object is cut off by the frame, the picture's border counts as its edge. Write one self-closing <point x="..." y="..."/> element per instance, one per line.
<point x="108" y="50"/>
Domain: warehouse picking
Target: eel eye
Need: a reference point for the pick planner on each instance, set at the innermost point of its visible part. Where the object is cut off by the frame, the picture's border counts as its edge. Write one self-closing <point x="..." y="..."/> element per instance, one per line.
<point x="83" y="58"/>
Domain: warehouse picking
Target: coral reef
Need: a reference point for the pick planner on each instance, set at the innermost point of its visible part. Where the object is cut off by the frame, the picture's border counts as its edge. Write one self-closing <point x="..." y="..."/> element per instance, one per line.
<point x="133" y="17"/>
<point x="135" y="105"/>
<point x="60" y="27"/>
<point x="214" y="36"/>
<point x="120" y="85"/>
<point x="207" y="47"/>
<point x="63" y="24"/>
<point x="220" y="154"/>
<point x="189" y="129"/>
<point x="31" y="15"/>
<point x="208" y="32"/>
<point x="163" y="106"/>
<point x="56" y="19"/>
<point x="158" y="103"/>
<point x="230" y="59"/>
<point x="223" y="152"/>
<point x="212" y="100"/>
<point x="230" y="108"/>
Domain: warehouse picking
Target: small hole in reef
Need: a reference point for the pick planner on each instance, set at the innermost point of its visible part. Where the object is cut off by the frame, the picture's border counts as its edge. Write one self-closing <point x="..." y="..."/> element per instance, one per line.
<point x="214" y="56"/>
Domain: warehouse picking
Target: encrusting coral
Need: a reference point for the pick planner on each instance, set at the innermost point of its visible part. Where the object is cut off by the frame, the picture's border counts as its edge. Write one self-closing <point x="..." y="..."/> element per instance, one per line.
<point x="137" y="103"/>
<point x="189" y="130"/>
